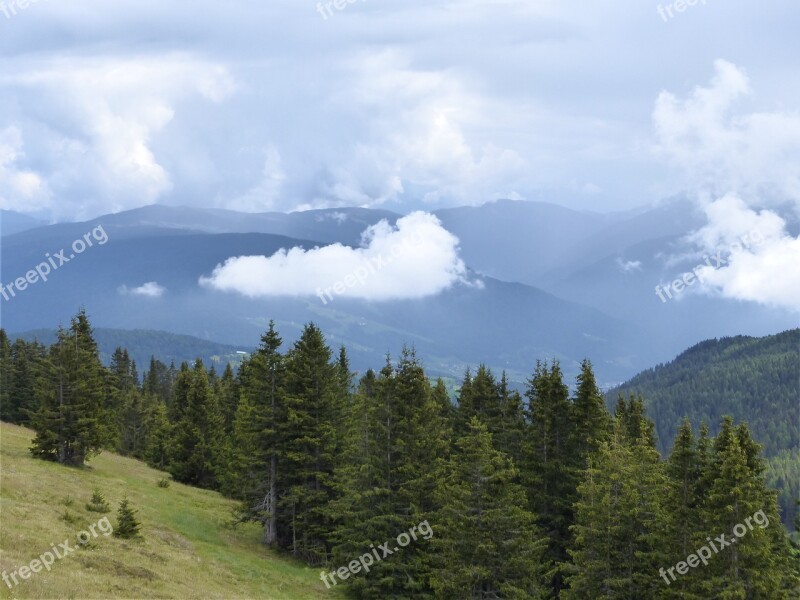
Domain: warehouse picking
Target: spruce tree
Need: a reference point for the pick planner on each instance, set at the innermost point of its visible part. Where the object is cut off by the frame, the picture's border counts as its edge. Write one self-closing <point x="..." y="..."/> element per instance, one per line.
<point x="197" y="435"/>
<point x="258" y="457"/>
<point x="128" y="525"/>
<point x="551" y="470"/>
<point x="487" y="544"/>
<point x="308" y="436"/>
<point x="618" y="519"/>
<point x="6" y="370"/>
<point x="69" y="423"/>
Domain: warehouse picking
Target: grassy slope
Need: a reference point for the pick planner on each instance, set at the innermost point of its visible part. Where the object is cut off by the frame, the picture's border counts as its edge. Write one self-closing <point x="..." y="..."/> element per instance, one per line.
<point x="188" y="549"/>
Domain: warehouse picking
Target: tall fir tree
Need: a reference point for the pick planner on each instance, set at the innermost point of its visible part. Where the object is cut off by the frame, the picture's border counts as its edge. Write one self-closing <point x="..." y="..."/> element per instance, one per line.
<point x="308" y="436"/>
<point x="197" y="434"/>
<point x="551" y="472"/>
<point x="69" y="423"/>
<point x="487" y="544"/>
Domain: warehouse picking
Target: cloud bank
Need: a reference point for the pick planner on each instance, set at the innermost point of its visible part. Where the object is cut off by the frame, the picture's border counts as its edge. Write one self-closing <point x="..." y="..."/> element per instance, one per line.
<point x="741" y="166"/>
<point x="415" y="259"/>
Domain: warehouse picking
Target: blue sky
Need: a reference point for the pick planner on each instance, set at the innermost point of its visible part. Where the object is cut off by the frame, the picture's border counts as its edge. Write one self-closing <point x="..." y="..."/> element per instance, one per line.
<point x="401" y="104"/>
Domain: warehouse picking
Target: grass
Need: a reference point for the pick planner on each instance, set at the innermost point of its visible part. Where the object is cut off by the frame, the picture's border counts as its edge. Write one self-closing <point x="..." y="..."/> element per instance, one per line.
<point x="188" y="548"/>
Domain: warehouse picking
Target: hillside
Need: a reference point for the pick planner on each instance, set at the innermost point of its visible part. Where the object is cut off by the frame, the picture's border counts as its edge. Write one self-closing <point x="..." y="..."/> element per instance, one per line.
<point x="188" y="550"/>
<point x="144" y="343"/>
<point x="751" y="379"/>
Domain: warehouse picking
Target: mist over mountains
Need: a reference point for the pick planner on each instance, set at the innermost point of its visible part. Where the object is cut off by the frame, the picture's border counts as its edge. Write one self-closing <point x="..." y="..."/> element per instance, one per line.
<point x="541" y="281"/>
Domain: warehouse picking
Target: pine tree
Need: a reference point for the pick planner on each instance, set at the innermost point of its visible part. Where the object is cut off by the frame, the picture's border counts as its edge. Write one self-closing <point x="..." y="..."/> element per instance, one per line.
<point x="197" y="435"/>
<point x="618" y="519"/>
<point x="757" y="565"/>
<point x="68" y="425"/>
<point x="488" y="545"/>
<point x="592" y="420"/>
<point x="6" y="370"/>
<point x="682" y="505"/>
<point x="307" y="433"/>
<point x="159" y="435"/>
<point x="128" y="525"/>
<point x="551" y="470"/>
<point x="98" y="502"/>
<point x="258" y="457"/>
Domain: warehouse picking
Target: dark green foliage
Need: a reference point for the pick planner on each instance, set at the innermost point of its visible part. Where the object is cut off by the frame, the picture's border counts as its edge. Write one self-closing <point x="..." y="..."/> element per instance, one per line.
<point x="752" y="379"/>
<point x="551" y="464"/>
<point x="487" y="544"/>
<point x="553" y="498"/>
<point x="196" y="438"/>
<point x="618" y="515"/>
<point x="127" y="524"/>
<point x="69" y="423"/>
<point x="98" y="502"/>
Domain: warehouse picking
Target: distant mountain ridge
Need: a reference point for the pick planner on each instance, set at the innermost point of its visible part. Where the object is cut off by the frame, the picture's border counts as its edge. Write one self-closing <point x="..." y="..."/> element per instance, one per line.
<point x="144" y="343"/>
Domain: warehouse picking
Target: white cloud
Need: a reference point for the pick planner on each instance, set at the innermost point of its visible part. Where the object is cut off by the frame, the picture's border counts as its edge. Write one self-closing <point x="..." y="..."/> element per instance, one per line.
<point x="20" y="189"/>
<point x="765" y="270"/>
<point x="628" y="266"/>
<point x="151" y="289"/>
<point x="417" y="258"/>
<point x="719" y="150"/>
<point x="102" y="115"/>
<point x="265" y="194"/>
<point x="746" y="162"/>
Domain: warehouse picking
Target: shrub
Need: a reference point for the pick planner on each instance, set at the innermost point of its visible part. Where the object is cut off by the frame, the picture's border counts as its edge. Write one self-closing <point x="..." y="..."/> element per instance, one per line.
<point x="163" y="483"/>
<point x="98" y="503"/>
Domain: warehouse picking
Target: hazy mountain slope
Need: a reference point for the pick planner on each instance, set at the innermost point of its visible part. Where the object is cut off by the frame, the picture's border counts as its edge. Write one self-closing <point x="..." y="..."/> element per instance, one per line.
<point x="13" y="222"/>
<point x="505" y="325"/>
<point x="142" y="344"/>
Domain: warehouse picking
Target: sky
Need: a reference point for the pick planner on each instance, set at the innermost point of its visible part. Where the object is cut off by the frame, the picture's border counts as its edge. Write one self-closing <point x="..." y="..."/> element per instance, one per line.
<point x="403" y="104"/>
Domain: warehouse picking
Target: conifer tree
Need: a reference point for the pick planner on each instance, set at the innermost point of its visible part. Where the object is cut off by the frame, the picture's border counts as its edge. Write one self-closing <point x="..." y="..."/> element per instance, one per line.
<point x="592" y="420"/>
<point x="128" y="525"/>
<point x="197" y="435"/>
<point x="68" y="424"/>
<point x="259" y="455"/>
<point x="682" y="503"/>
<point x="551" y="470"/>
<point x="488" y="545"/>
<point x="618" y="519"/>
<point x="6" y="370"/>
<point x="757" y="565"/>
<point x="307" y="434"/>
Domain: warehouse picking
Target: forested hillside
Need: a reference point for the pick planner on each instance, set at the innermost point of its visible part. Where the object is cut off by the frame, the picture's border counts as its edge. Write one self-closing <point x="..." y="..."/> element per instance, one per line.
<point x="751" y="379"/>
<point x="392" y="490"/>
<point x="144" y="344"/>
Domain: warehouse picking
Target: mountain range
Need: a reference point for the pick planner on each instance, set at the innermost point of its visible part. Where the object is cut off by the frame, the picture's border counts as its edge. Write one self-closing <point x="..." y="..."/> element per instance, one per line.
<point x="555" y="283"/>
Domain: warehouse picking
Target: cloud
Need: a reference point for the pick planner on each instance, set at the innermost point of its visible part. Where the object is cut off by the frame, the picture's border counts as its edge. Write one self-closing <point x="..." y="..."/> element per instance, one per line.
<point x="719" y="150"/>
<point x="415" y="259"/>
<point x="151" y="289"/>
<point x="628" y="266"/>
<point x="737" y="164"/>
<point x="265" y="194"/>
<point x="20" y="189"/>
<point x="764" y="269"/>
<point x="95" y="122"/>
